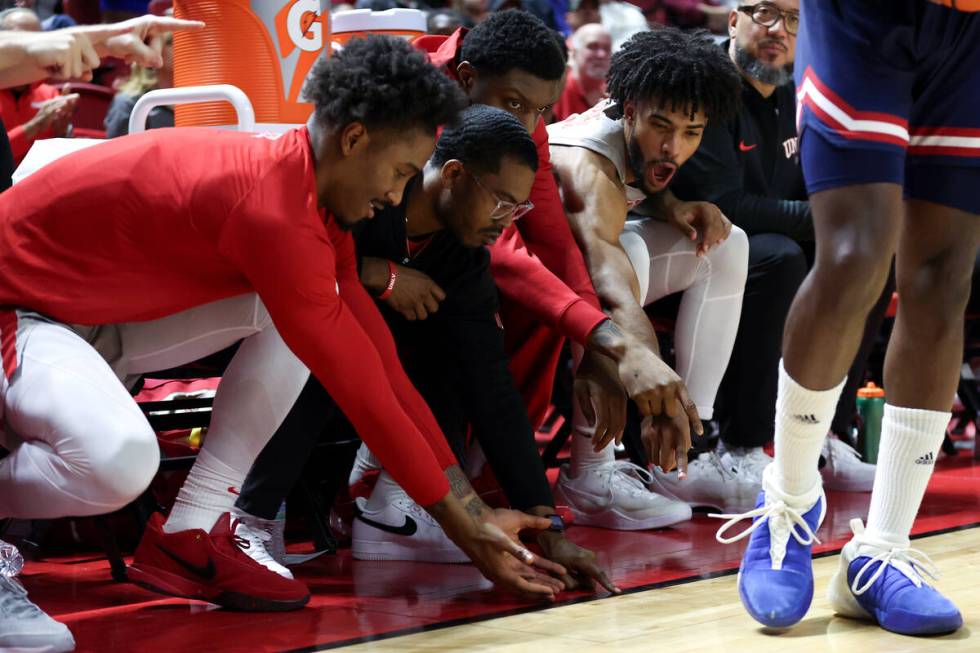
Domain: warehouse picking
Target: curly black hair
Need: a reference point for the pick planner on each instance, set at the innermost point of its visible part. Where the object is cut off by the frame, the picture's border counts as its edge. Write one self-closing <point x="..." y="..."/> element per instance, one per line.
<point x="482" y="137"/>
<point x="683" y="70"/>
<point x="382" y="82"/>
<point x="513" y="39"/>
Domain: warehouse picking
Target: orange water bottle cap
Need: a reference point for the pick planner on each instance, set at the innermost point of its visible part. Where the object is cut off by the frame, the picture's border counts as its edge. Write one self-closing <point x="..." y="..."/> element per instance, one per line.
<point x="870" y="391"/>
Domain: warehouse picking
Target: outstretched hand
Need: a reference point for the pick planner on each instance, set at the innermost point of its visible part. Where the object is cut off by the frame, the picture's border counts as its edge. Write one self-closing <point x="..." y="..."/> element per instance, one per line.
<point x="703" y="222"/>
<point x="667" y="439"/>
<point x="501" y="557"/>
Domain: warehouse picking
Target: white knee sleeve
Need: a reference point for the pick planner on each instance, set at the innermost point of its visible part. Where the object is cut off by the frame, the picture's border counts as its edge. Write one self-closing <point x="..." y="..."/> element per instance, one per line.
<point x="666" y="262"/>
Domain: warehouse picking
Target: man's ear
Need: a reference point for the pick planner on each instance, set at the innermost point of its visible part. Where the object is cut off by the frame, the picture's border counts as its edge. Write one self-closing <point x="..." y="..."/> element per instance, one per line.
<point x="451" y="172"/>
<point x="629" y="111"/>
<point x="467" y="75"/>
<point x="353" y="137"/>
<point x="732" y="23"/>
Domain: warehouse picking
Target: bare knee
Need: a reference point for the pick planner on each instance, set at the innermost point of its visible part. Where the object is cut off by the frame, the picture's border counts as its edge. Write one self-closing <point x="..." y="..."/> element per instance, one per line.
<point x="851" y="276"/>
<point x="936" y="291"/>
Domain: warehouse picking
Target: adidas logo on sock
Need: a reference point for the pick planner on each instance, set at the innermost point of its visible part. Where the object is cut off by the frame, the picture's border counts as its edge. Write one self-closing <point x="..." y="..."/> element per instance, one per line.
<point x="927" y="459"/>
<point x="806" y="419"/>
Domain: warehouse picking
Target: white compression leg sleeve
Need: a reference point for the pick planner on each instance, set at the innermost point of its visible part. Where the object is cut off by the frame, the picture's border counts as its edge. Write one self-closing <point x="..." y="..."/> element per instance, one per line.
<point x="665" y="262"/>
<point x="79" y="445"/>
<point x="256" y="392"/>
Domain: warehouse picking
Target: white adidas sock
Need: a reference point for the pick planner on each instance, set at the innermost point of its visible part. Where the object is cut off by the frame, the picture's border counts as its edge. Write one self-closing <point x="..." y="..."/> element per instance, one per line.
<point x="582" y="455"/>
<point x="803" y="418"/>
<point x="910" y="440"/>
<point x="210" y="490"/>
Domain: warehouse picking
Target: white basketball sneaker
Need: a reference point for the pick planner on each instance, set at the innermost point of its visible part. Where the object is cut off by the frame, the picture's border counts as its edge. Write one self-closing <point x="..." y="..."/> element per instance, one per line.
<point x="390" y="526"/>
<point x="23" y="625"/>
<point x="709" y="484"/>
<point x="747" y="462"/>
<point x="843" y="469"/>
<point x="264" y="541"/>
<point x="614" y="495"/>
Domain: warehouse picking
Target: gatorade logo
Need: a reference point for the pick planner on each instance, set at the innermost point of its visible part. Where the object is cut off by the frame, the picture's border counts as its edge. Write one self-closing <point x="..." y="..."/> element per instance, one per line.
<point x="303" y="26"/>
<point x="300" y="26"/>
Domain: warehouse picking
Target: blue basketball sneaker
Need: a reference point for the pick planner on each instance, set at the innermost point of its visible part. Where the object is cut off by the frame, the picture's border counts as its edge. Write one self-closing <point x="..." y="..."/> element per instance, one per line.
<point x="883" y="582"/>
<point x="775" y="580"/>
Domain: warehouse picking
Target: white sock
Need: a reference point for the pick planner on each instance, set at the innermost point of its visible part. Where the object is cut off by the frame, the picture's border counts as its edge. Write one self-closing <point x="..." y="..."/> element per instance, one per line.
<point x="383" y="491"/>
<point x="803" y="418"/>
<point x="210" y="490"/>
<point x="582" y="455"/>
<point x="910" y="440"/>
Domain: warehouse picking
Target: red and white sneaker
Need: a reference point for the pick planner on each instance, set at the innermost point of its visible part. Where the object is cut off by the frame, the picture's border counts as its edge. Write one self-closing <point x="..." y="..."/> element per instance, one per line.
<point x="194" y="564"/>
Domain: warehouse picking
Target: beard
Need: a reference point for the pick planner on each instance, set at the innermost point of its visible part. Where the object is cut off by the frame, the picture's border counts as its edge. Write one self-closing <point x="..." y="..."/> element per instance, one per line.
<point x="638" y="164"/>
<point x="760" y="71"/>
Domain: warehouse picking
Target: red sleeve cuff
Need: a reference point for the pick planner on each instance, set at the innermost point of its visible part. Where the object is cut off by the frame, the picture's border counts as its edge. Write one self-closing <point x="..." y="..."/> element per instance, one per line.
<point x="579" y="319"/>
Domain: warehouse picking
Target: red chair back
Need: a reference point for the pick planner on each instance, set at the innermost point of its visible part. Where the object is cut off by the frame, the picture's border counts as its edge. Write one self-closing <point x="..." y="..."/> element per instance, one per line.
<point x="90" y="113"/>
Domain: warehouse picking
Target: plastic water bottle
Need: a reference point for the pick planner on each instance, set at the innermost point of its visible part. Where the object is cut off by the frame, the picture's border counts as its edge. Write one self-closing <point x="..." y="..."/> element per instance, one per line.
<point x="871" y="407"/>
<point x="11" y="561"/>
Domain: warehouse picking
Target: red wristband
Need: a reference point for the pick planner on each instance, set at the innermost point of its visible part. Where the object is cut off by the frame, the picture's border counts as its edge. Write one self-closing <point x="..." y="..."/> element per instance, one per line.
<point x="392" y="275"/>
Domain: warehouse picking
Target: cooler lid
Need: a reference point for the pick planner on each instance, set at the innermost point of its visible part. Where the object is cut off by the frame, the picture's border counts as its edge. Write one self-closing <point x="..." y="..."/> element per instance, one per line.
<point x="365" y="20"/>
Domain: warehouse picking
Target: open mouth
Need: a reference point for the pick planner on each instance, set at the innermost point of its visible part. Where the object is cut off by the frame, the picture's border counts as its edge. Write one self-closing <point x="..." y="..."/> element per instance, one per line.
<point x="662" y="173"/>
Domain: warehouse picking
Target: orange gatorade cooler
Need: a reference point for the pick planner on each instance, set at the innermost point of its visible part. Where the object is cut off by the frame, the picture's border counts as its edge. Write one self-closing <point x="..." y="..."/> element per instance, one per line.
<point x="407" y="23"/>
<point x="264" y="47"/>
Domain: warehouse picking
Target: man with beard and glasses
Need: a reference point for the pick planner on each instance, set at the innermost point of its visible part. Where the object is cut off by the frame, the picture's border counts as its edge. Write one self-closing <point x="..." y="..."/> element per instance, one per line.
<point x="750" y="167"/>
<point x="665" y="87"/>
<point x="590" y="49"/>
<point x="474" y="186"/>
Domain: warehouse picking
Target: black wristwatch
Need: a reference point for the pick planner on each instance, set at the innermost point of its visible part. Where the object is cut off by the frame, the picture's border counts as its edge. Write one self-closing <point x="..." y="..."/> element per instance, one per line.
<point x="557" y="524"/>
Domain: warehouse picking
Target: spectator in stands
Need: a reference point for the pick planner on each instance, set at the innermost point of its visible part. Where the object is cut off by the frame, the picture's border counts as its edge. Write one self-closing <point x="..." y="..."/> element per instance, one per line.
<point x="590" y="49"/>
<point x="472" y="11"/>
<point x="621" y="19"/>
<point x="443" y="21"/>
<point x="750" y="167"/>
<point x="142" y="79"/>
<point x="118" y="10"/>
<point x="475" y="184"/>
<point x="35" y="111"/>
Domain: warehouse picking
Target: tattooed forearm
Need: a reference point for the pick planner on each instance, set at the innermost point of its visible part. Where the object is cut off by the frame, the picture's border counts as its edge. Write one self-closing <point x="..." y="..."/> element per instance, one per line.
<point x="458" y="483"/>
<point x="475" y="507"/>
<point x="607" y="339"/>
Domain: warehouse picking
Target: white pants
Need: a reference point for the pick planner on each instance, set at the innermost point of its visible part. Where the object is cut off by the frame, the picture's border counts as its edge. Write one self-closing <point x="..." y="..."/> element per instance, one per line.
<point x="79" y="443"/>
<point x="665" y="262"/>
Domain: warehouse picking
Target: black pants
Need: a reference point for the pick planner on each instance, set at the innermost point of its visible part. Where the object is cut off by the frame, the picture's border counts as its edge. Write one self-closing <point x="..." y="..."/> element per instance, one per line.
<point x="513" y="456"/>
<point x="746" y="403"/>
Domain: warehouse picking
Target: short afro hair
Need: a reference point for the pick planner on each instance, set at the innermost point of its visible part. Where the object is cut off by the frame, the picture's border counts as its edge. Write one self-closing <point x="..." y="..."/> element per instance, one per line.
<point x="382" y="82"/>
<point x="513" y="39"/>
<point x="682" y="70"/>
<point x="482" y="137"/>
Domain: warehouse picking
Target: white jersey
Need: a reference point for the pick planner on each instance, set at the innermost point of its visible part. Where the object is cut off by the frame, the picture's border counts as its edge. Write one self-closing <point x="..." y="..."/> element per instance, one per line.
<point x="596" y="131"/>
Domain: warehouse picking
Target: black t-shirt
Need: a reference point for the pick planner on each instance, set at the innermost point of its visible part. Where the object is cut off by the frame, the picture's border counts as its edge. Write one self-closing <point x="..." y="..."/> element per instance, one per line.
<point x="750" y="167"/>
<point x="456" y="357"/>
<point x="6" y="160"/>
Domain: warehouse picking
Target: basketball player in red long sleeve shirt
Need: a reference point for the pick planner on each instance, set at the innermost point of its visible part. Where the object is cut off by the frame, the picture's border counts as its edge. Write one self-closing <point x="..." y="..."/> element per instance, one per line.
<point x="96" y="271"/>
<point x="512" y="61"/>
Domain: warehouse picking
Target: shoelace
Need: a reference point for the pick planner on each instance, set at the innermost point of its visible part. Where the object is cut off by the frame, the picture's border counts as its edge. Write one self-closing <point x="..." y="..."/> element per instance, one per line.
<point x="14" y="601"/>
<point x="633" y="476"/>
<point x="914" y="563"/>
<point x="237" y="539"/>
<point x="784" y="519"/>
<point x="712" y="458"/>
